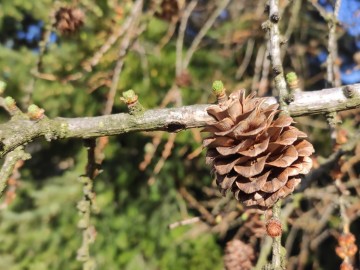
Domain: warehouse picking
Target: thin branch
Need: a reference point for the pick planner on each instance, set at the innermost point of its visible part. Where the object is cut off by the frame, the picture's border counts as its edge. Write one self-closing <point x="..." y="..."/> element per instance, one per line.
<point x="275" y="53"/>
<point x="180" y="39"/>
<point x="280" y="85"/>
<point x="29" y="91"/>
<point x="87" y="205"/>
<point x="9" y="164"/>
<point x="112" y="39"/>
<point x="184" y="222"/>
<point x="332" y="70"/>
<point x="276" y="245"/>
<point x="124" y="46"/>
<point x="19" y="132"/>
<point x="194" y="45"/>
<point x="258" y="67"/>
<point x="247" y="57"/>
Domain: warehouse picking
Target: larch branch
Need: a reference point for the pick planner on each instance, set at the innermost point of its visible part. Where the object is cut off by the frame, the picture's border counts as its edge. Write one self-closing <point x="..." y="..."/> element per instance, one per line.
<point x="19" y="132"/>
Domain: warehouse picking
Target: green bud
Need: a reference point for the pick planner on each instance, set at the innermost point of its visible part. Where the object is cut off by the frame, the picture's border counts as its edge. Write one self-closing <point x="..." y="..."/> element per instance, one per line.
<point x="10" y="102"/>
<point x="132" y="102"/>
<point x="129" y="95"/>
<point x="218" y="88"/>
<point x="33" y="108"/>
<point x="35" y="113"/>
<point x="2" y="87"/>
<point x="244" y="216"/>
<point x="291" y="77"/>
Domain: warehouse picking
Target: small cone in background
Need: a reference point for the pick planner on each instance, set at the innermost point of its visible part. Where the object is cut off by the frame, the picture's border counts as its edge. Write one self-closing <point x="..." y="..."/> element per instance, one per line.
<point x="238" y="256"/>
<point x="253" y="153"/>
<point x="169" y="10"/>
<point x="68" y="20"/>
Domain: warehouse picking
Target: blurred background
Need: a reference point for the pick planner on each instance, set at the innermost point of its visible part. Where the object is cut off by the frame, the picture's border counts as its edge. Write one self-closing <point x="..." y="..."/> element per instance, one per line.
<point x="159" y="205"/>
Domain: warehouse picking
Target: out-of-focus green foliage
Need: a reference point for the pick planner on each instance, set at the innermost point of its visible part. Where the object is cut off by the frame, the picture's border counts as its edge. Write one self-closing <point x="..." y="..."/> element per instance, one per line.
<point x="39" y="229"/>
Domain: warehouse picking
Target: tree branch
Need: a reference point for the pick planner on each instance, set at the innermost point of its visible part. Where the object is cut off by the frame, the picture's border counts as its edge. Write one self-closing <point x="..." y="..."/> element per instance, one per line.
<point x="19" y="132"/>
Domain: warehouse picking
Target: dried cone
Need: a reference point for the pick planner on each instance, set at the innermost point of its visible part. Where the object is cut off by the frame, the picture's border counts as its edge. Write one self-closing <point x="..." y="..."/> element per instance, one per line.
<point x="347" y="246"/>
<point x="256" y="157"/>
<point x="69" y="20"/>
<point x="238" y="256"/>
<point x="169" y="10"/>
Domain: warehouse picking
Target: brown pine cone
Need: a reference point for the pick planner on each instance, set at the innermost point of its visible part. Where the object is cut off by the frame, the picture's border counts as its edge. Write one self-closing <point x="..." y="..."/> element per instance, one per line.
<point x="68" y="20"/>
<point x="238" y="256"/>
<point x="169" y="10"/>
<point x="256" y="157"/>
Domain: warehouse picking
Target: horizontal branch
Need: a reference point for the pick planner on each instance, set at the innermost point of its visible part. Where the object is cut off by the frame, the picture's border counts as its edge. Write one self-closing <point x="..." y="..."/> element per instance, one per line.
<point x="19" y="132"/>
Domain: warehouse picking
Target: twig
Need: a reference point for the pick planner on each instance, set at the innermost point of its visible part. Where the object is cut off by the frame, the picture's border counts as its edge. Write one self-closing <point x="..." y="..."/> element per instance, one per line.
<point x="264" y="81"/>
<point x="121" y="55"/>
<point x="184" y="222"/>
<point x="9" y="164"/>
<point x="166" y="38"/>
<point x="247" y="57"/>
<point x="265" y="250"/>
<point x="180" y="40"/>
<point x="85" y="206"/>
<point x="275" y="54"/>
<point x="332" y="68"/>
<point x="164" y="156"/>
<point x="258" y="67"/>
<point x="192" y="201"/>
<point x="194" y="45"/>
<point x="112" y="39"/>
<point x="280" y="85"/>
<point x="29" y="91"/>
<point x="276" y="245"/>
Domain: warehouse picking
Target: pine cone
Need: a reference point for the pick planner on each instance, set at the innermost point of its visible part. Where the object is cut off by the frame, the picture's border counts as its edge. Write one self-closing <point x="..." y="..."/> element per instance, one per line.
<point x="169" y="10"/>
<point x="256" y="157"/>
<point x="238" y="256"/>
<point x="68" y="20"/>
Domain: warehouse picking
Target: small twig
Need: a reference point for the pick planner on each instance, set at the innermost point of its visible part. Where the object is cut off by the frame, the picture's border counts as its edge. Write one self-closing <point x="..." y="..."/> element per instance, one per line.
<point x="180" y="40"/>
<point x="112" y="39"/>
<point x="124" y="46"/>
<point x="342" y="204"/>
<point x="275" y="54"/>
<point x="332" y="69"/>
<point x="280" y="85"/>
<point x="264" y="253"/>
<point x="247" y="57"/>
<point x="333" y="78"/>
<point x="9" y="164"/>
<point x="184" y="222"/>
<point x="86" y="206"/>
<point x="304" y="252"/>
<point x="276" y="245"/>
<point x="166" y="38"/>
<point x="12" y="183"/>
<point x="193" y="202"/>
<point x="258" y="67"/>
<point x="194" y="45"/>
<point x="264" y="80"/>
<point x="164" y="156"/>
<point x="29" y="91"/>
<point x="319" y="8"/>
